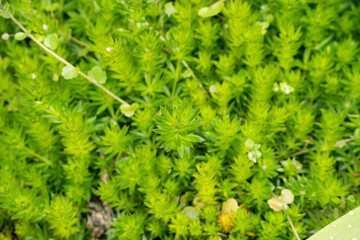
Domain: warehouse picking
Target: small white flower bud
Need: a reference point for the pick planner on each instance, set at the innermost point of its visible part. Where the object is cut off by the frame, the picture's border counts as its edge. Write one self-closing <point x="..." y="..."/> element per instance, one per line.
<point x="5" y="36"/>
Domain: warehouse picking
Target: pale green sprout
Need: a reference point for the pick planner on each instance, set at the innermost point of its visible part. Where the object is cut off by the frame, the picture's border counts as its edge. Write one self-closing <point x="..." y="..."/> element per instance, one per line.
<point x="249" y="143"/>
<point x="254" y="154"/>
<point x="169" y="9"/>
<point x="129" y="110"/>
<point x="264" y="26"/>
<point x="283" y="87"/>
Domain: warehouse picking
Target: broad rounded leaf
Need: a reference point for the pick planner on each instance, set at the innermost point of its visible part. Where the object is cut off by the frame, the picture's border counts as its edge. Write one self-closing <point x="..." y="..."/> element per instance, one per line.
<point x="51" y="41"/>
<point x="129" y="110"/>
<point x="276" y="204"/>
<point x="20" y="36"/>
<point x="212" y="10"/>
<point x="169" y="9"/>
<point x="230" y="205"/>
<point x="287" y="196"/>
<point x="69" y="72"/>
<point x="98" y="75"/>
<point x="191" y="212"/>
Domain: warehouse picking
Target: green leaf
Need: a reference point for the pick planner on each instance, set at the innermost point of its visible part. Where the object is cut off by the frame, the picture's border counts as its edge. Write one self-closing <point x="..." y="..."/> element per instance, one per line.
<point x="346" y="228"/>
<point x="129" y="110"/>
<point x="194" y="138"/>
<point x="69" y="72"/>
<point x="169" y="9"/>
<point x="191" y="212"/>
<point x="21" y="35"/>
<point x="249" y="143"/>
<point x="51" y="41"/>
<point x="212" y="10"/>
<point x="8" y="9"/>
<point x="98" y="75"/>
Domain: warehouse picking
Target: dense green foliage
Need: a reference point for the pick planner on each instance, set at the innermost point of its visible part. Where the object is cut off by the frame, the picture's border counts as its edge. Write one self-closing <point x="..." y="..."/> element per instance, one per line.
<point x="235" y="100"/>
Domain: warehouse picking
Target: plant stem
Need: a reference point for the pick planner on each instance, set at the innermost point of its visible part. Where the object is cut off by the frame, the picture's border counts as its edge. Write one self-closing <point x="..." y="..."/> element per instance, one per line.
<point x="185" y="65"/>
<point x="66" y="62"/>
<point x="32" y="152"/>
<point x="177" y="73"/>
<point x="193" y="75"/>
<point x="293" y="227"/>
<point x="75" y="40"/>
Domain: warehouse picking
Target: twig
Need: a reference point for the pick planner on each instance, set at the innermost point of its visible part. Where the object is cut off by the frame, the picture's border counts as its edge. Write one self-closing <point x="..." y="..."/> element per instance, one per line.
<point x="304" y="151"/>
<point x="339" y="144"/>
<point x="66" y="62"/>
<point x="293" y="227"/>
<point x="35" y="154"/>
<point x="75" y="40"/>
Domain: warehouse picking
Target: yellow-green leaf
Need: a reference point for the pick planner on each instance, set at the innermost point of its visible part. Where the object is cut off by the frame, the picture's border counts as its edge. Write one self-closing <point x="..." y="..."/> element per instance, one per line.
<point x="191" y="212"/>
<point x="98" y="75"/>
<point x="51" y="41"/>
<point x="287" y="196"/>
<point x="169" y="9"/>
<point x="276" y="204"/>
<point x="69" y="72"/>
<point x="230" y="205"/>
<point x="212" y="10"/>
<point x="129" y="110"/>
<point x="21" y="35"/>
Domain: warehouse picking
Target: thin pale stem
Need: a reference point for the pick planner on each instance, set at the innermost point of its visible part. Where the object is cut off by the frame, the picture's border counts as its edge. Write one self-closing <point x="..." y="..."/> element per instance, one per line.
<point x="32" y="152"/>
<point x="293" y="227"/>
<point x="75" y="40"/>
<point x="66" y="62"/>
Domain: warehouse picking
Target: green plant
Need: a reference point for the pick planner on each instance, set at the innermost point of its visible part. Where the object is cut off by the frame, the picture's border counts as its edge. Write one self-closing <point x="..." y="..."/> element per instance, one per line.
<point x="179" y="119"/>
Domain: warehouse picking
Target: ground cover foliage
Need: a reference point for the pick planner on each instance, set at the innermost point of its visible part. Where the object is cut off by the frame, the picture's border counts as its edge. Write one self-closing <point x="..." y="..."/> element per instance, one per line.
<point x="223" y="112"/>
